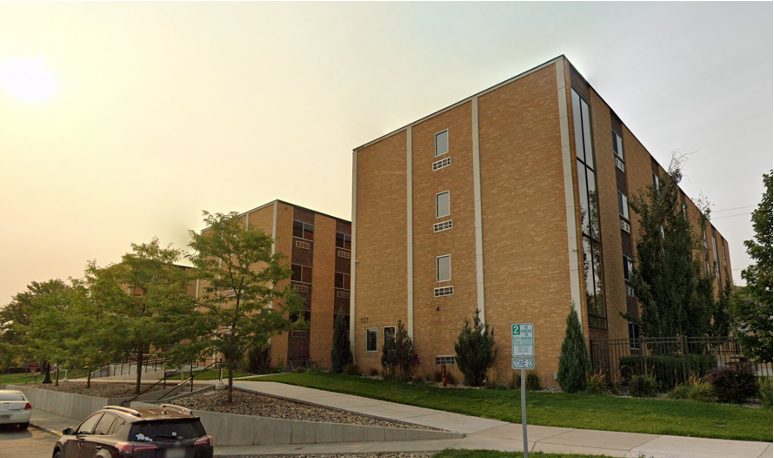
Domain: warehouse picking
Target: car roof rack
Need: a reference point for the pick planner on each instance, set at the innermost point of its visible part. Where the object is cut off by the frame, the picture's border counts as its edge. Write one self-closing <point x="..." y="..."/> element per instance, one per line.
<point x="178" y="408"/>
<point x="125" y="410"/>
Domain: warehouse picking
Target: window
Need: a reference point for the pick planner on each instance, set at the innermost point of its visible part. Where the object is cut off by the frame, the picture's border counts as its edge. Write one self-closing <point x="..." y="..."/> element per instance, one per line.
<point x="389" y="333"/>
<point x="105" y="425"/>
<point x="441" y="143"/>
<point x="438" y="165"/>
<point x="371" y="339"/>
<point x="445" y="360"/>
<point x="634" y="336"/>
<point x="442" y="204"/>
<point x="723" y="245"/>
<point x="344" y="241"/>
<point x="303" y="230"/>
<point x="715" y="253"/>
<point x="628" y="266"/>
<point x="444" y="226"/>
<point x="443" y="268"/>
<point x="629" y="291"/>
<point x="655" y="181"/>
<point x="623" y="205"/>
<point x="708" y="268"/>
<point x="625" y="226"/>
<point x="87" y="427"/>
<point x="118" y="425"/>
<point x="618" y="146"/>
<point x="341" y="280"/>
<point x="301" y="273"/>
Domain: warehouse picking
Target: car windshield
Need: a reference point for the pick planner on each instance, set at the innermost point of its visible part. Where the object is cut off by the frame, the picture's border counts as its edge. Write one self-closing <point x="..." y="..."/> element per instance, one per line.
<point x="10" y="396"/>
<point x="166" y="430"/>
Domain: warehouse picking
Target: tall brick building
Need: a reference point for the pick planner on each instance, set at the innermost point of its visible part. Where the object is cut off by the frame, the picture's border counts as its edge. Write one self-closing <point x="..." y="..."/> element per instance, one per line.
<point x="317" y="246"/>
<point x="489" y="204"/>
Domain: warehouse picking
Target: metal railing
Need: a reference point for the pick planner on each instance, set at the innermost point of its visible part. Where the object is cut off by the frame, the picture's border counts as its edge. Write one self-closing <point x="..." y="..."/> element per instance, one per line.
<point x="188" y="380"/>
<point x="670" y="360"/>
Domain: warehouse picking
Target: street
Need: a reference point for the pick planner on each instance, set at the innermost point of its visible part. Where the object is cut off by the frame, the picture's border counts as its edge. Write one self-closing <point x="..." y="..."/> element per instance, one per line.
<point x="32" y="443"/>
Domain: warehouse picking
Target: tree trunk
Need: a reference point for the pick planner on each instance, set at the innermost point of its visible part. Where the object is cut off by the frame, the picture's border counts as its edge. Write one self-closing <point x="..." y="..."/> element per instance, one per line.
<point x="56" y="383"/>
<point x="139" y="371"/>
<point x="88" y="377"/>
<point x="230" y="384"/>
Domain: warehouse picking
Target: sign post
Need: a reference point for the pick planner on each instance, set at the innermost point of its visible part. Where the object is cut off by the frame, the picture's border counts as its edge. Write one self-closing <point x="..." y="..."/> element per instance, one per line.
<point x="523" y="352"/>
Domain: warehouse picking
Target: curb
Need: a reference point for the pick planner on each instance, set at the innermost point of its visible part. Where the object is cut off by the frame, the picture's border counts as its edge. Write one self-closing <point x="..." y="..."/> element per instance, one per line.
<point x="46" y="430"/>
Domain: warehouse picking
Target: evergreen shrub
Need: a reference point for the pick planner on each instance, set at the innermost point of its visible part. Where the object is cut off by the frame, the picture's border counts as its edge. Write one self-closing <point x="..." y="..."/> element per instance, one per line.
<point x="574" y="360"/>
<point x="341" y="355"/>
<point x="475" y="351"/>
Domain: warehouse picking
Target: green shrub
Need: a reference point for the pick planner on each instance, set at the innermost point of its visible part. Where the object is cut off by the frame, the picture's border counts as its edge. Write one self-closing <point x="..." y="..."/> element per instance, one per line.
<point x="679" y="392"/>
<point x="398" y="356"/>
<point x="259" y="359"/>
<point x="437" y="377"/>
<point x="475" y="350"/>
<point x="642" y="386"/>
<point x="450" y="378"/>
<point x="734" y="384"/>
<point x="341" y="355"/>
<point x="765" y="393"/>
<point x="515" y="381"/>
<point x="373" y="372"/>
<point x="701" y="392"/>
<point x="574" y="360"/>
<point x="533" y="382"/>
<point x="667" y="370"/>
<point x="596" y="383"/>
<point x="351" y="369"/>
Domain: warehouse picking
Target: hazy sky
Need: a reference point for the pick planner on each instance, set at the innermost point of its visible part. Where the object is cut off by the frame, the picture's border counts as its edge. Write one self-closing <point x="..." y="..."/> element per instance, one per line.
<point x="165" y="110"/>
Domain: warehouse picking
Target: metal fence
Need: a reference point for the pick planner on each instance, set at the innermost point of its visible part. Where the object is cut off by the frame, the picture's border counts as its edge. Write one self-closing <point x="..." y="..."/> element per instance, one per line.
<point x="670" y="360"/>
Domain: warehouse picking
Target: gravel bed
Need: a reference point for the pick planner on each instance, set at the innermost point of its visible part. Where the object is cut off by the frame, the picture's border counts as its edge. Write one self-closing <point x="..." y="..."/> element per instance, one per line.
<point x="100" y="390"/>
<point x="248" y="403"/>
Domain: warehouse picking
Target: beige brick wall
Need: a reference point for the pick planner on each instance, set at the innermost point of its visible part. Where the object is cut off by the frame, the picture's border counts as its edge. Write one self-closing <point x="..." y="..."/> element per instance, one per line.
<point x="283" y="244"/>
<point x="323" y="270"/>
<point x="381" y="283"/>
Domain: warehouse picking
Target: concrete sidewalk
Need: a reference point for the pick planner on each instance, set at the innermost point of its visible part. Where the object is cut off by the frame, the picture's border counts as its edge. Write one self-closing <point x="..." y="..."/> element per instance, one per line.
<point x="481" y="433"/>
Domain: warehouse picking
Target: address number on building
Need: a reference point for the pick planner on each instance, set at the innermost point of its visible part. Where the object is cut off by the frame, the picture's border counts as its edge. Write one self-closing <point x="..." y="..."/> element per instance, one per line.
<point x="523" y="363"/>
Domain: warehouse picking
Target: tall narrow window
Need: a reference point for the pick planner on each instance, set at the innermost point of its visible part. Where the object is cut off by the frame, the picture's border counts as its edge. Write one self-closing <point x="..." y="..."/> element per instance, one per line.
<point x="443" y="268"/>
<point x="442" y="204"/>
<point x="623" y="205"/>
<point x="587" y="194"/>
<point x="655" y="181"/>
<point x="715" y="253"/>
<point x="372" y="335"/>
<point x="618" y="146"/>
<point x="343" y="240"/>
<point x="441" y="143"/>
<point x="628" y="267"/>
<point x="341" y="281"/>
<point x="301" y="273"/>
<point x="389" y="333"/>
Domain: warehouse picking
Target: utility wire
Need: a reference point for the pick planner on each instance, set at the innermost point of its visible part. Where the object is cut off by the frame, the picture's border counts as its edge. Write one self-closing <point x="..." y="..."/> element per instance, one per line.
<point x="731" y="216"/>
<point x="729" y="209"/>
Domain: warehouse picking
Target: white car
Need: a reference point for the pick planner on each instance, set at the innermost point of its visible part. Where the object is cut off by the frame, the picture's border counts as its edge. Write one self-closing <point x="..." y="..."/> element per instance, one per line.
<point x="15" y="409"/>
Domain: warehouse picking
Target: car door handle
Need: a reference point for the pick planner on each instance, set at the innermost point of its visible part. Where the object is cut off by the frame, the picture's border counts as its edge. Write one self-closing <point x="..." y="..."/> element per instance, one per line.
<point x="99" y="447"/>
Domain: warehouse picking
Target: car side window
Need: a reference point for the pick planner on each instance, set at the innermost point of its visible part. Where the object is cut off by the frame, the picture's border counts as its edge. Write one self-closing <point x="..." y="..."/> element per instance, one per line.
<point x="117" y="425"/>
<point x="87" y="427"/>
<point x="104" y="425"/>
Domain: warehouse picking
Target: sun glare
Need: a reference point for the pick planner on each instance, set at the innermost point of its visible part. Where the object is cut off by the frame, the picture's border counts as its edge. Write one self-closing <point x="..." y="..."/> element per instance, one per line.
<point x="28" y="81"/>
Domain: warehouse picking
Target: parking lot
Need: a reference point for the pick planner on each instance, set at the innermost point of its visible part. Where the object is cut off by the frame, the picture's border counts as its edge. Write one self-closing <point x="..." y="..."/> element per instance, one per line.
<point x="31" y="443"/>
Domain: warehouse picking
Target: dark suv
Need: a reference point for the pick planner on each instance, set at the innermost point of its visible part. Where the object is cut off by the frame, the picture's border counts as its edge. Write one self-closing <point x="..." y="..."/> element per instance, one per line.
<point x="167" y="431"/>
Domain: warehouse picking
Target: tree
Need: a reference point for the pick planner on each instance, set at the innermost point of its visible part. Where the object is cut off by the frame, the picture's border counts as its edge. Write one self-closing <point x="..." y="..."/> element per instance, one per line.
<point x="751" y="309"/>
<point x="475" y="350"/>
<point x="574" y="359"/>
<point x="242" y="305"/>
<point x="666" y="279"/>
<point x="398" y="355"/>
<point x="721" y="320"/>
<point x="341" y="355"/>
<point x="146" y="301"/>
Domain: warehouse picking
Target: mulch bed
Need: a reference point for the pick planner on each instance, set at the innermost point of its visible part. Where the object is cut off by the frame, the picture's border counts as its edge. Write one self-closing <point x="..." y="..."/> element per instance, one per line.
<point x="98" y="389"/>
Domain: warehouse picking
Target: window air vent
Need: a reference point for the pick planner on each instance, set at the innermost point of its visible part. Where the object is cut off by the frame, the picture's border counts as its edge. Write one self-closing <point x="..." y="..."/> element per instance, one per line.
<point x="230" y="293"/>
<point x="443" y="291"/>
<point x="297" y="333"/>
<point x="629" y="291"/>
<point x="304" y="245"/>
<point x="301" y="288"/>
<point x="342" y="294"/>
<point x="343" y="254"/>
<point x="443" y="226"/>
<point x="445" y="162"/>
<point x="447" y="360"/>
<point x="620" y="165"/>
<point x="625" y="226"/>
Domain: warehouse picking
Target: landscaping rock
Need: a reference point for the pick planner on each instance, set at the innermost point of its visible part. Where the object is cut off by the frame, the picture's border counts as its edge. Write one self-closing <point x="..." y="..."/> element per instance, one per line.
<point x="100" y="390"/>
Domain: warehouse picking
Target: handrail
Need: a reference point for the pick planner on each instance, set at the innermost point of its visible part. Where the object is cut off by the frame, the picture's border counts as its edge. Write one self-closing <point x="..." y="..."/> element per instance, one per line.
<point x="166" y="376"/>
<point x="189" y="379"/>
<point x="164" y="379"/>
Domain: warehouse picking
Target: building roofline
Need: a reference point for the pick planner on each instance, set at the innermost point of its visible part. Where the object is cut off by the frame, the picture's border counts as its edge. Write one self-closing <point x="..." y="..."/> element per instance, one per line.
<point x="260" y="207"/>
<point x="465" y="100"/>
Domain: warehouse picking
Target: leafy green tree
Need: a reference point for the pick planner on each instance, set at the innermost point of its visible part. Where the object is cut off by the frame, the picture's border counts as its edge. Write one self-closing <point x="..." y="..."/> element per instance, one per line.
<point x="666" y="279"/>
<point x="476" y="352"/>
<point x="574" y="359"/>
<point x="398" y="355"/>
<point x="145" y="297"/>
<point x="751" y="309"/>
<point x="242" y="306"/>
<point x="341" y="355"/>
<point x="721" y="320"/>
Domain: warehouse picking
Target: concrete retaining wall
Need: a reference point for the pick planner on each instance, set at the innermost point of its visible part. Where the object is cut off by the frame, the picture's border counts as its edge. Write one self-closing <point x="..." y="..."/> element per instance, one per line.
<point x="71" y="405"/>
<point x="232" y="429"/>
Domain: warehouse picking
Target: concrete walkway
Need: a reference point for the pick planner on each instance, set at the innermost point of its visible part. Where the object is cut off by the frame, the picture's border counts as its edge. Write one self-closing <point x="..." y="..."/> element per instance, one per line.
<point x="481" y="433"/>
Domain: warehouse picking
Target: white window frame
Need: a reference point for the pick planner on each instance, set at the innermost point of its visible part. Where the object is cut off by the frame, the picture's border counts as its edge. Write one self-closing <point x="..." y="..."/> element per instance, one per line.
<point x="623" y="205"/>
<point x="438" y="215"/>
<point x="619" y="145"/>
<point x="629" y="267"/>
<point x="437" y="154"/>
<point x="438" y="271"/>
<point x="384" y="332"/>
<point x="376" y="331"/>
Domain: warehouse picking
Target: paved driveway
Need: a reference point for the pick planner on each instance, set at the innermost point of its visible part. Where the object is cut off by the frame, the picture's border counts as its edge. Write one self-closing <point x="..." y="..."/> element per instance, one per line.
<point x="32" y="443"/>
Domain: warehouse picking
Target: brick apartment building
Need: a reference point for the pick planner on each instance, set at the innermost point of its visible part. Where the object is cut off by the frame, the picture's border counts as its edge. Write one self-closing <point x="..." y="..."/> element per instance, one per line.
<point x="485" y="205"/>
<point x="317" y="246"/>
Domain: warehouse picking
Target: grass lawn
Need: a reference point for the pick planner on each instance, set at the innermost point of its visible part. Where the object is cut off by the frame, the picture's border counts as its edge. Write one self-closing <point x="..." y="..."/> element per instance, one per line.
<point x="585" y="411"/>
<point x="494" y="454"/>
<point x="20" y="379"/>
<point x="212" y="374"/>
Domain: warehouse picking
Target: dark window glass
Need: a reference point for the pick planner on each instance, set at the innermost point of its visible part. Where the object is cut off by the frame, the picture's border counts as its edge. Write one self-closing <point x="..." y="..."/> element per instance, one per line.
<point x="389" y="333"/>
<point x="342" y="281"/>
<point x="87" y="427"/>
<point x="343" y="241"/>
<point x="371" y="340"/>
<point x="298" y="229"/>
<point x="306" y="275"/>
<point x="296" y="272"/>
<point x="583" y="196"/>
<point x="308" y="232"/>
<point x="117" y="426"/>
<point x="167" y="430"/>
<point x="105" y="424"/>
